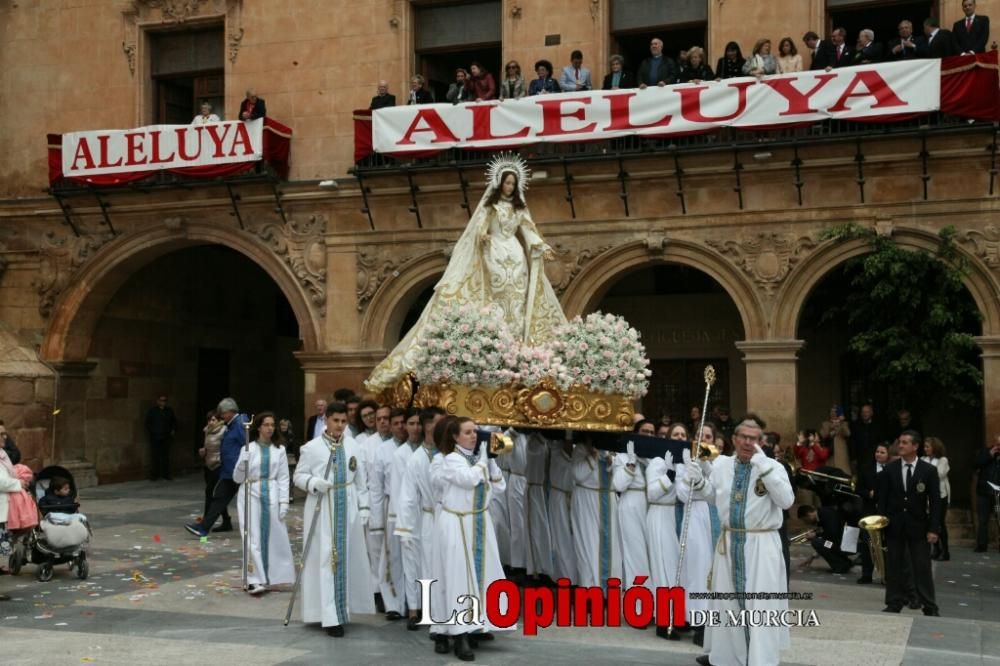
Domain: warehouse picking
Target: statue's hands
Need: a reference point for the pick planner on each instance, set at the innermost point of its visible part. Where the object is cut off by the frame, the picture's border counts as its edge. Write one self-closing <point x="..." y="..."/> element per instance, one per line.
<point x="484" y="238"/>
<point x="548" y="253"/>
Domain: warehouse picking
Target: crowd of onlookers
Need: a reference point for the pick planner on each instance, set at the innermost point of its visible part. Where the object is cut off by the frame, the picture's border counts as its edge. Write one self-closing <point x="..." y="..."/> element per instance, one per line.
<point x="474" y="84"/>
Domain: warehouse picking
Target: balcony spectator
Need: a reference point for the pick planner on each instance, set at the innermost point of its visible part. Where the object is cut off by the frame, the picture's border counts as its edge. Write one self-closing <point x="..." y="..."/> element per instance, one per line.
<point x="868" y="50"/>
<point x="841" y="55"/>
<point x="905" y="46"/>
<point x="382" y="99"/>
<point x="618" y="78"/>
<point x="418" y="93"/>
<point x="822" y="51"/>
<point x="253" y="107"/>
<point x="205" y="115"/>
<point x="544" y="83"/>
<point x="695" y="70"/>
<point x="459" y="91"/>
<point x="575" y="76"/>
<point x="789" y="59"/>
<point x="482" y="84"/>
<point x="658" y="69"/>
<point x="513" y="86"/>
<point x="972" y="32"/>
<point x="761" y="62"/>
<point x="937" y="42"/>
<point x="683" y="58"/>
<point x="731" y="64"/>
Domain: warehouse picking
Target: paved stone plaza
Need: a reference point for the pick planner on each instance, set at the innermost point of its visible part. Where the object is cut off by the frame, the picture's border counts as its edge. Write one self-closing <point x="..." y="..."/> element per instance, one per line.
<point x="156" y="595"/>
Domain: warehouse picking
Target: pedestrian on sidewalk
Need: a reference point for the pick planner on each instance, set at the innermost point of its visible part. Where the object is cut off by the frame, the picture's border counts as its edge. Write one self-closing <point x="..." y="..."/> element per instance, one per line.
<point x="225" y="490"/>
<point x="161" y="425"/>
<point x="211" y="453"/>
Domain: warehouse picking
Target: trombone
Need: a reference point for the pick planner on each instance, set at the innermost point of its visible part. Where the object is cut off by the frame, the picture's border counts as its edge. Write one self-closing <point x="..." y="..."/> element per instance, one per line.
<point x="842" y="485"/>
<point x="806" y="536"/>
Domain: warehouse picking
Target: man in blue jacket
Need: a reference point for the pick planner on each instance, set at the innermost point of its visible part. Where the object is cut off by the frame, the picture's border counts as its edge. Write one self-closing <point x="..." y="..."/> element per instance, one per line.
<point x="226" y="489"/>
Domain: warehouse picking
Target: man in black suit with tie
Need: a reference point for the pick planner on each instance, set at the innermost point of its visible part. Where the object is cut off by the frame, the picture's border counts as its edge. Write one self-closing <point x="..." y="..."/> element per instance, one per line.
<point x="905" y="47"/>
<point x="972" y="32"/>
<point x="909" y="496"/>
<point x="936" y="42"/>
<point x="867" y="487"/>
<point x="316" y="425"/>
<point x="840" y="53"/>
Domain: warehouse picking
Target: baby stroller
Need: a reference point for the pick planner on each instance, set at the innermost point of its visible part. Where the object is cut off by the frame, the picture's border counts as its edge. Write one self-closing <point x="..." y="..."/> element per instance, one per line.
<point x="62" y="534"/>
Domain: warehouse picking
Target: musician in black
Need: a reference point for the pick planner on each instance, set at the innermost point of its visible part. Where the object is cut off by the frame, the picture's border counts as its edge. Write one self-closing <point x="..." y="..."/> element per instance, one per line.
<point x="987" y="471"/>
<point x="826" y="535"/>
<point x="866" y="487"/>
<point x="909" y="495"/>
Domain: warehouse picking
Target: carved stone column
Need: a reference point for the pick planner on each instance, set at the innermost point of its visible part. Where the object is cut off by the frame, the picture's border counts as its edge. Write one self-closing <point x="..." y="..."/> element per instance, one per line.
<point x="70" y="423"/>
<point x="991" y="383"/>
<point x="772" y="381"/>
<point x="325" y="372"/>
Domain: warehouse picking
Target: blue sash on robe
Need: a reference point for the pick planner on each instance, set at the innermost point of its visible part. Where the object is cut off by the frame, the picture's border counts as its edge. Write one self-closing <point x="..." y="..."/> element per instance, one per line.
<point x="737" y="537"/>
<point x="265" y="506"/>
<point x="604" y="498"/>
<point x="338" y="510"/>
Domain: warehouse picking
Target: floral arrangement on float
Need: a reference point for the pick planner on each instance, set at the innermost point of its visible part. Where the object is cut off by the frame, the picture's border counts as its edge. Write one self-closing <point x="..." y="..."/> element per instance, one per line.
<point x="586" y="377"/>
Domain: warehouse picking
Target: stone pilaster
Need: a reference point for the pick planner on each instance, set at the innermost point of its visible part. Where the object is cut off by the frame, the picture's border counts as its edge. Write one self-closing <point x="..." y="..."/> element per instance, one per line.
<point x="772" y="382"/>
<point x="991" y="383"/>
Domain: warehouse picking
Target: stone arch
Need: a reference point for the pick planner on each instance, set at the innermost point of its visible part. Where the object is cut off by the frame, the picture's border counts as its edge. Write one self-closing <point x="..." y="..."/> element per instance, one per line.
<point x="792" y="297"/>
<point x="386" y="312"/>
<point x="597" y="277"/>
<point x="80" y="306"/>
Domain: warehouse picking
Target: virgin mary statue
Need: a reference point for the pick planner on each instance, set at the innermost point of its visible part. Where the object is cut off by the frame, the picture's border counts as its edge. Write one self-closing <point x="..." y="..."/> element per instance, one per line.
<point x="498" y="260"/>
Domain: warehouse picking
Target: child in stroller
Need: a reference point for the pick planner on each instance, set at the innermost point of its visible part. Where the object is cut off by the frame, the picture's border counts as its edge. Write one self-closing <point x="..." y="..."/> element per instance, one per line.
<point x="62" y="535"/>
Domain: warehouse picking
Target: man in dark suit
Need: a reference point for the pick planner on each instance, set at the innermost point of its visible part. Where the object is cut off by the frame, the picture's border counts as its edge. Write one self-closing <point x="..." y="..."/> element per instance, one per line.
<point x="253" y="107"/>
<point x="905" y="46"/>
<point x="867" y="487"/>
<point x="821" y="49"/>
<point x="987" y="472"/>
<point x="658" y="69"/>
<point x="909" y="496"/>
<point x="161" y="425"/>
<point x="841" y="54"/>
<point x="868" y="51"/>
<point x="383" y="99"/>
<point x="936" y="42"/>
<point x="316" y="424"/>
<point x="972" y="32"/>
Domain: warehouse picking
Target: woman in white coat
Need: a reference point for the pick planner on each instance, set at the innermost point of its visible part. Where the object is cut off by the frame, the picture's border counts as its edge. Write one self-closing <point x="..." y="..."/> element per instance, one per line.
<point x="262" y="470"/>
<point x="465" y="547"/>
<point x="934" y="453"/>
<point x="9" y="483"/>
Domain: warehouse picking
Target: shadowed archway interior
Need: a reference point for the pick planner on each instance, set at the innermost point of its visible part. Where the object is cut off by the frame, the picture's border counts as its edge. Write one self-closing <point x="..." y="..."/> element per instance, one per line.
<point x="196" y="324"/>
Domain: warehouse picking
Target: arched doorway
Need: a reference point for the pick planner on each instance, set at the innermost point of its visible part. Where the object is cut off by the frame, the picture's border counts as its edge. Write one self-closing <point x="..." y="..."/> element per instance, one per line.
<point x="830" y="373"/>
<point x="196" y="323"/>
<point x="687" y="320"/>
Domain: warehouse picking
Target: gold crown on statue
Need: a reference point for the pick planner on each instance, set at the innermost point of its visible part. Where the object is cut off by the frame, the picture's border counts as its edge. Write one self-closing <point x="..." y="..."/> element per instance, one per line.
<point x="503" y="163"/>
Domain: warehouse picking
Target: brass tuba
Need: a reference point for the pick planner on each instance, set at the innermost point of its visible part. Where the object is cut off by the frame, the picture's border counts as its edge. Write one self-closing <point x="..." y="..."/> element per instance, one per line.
<point x="500" y="444"/>
<point x="874" y="526"/>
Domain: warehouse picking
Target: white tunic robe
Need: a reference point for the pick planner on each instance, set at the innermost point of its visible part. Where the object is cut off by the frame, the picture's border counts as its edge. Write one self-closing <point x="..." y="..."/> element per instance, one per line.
<point x="561" y="484"/>
<point x="270" y="551"/>
<point x="750" y="498"/>
<point x="415" y="519"/>
<point x="390" y="567"/>
<point x="632" y="519"/>
<point x="538" y="549"/>
<point x="368" y="444"/>
<point x="698" y="554"/>
<point x="465" y="557"/>
<point x="517" y="492"/>
<point x="336" y="578"/>
<point x="595" y="520"/>
<point x="408" y="551"/>
<point x="661" y="523"/>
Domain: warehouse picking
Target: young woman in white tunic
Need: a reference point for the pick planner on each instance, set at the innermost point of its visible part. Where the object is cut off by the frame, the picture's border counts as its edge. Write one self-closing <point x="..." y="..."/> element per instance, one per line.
<point x="517" y="492"/>
<point x="561" y="484"/>
<point x="465" y="548"/>
<point x="538" y="549"/>
<point x="595" y="518"/>
<point x="750" y="491"/>
<point x="661" y="527"/>
<point x="399" y="501"/>
<point x="262" y="470"/>
<point x="629" y="479"/>
<point x="336" y="578"/>
<point x="698" y="554"/>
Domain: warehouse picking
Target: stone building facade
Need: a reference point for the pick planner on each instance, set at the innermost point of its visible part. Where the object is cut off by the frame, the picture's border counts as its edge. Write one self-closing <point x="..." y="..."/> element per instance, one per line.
<point x="106" y="301"/>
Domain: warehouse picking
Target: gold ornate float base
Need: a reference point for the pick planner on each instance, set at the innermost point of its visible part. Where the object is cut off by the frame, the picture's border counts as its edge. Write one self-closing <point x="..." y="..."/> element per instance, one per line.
<point x="542" y="406"/>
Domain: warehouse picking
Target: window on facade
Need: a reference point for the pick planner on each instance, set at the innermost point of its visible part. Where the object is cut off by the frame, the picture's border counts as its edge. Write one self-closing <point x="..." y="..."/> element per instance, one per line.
<point x="450" y="36"/>
<point x="187" y="68"/>
<point x="681" y="24"/>
<point x="880" y="16"/>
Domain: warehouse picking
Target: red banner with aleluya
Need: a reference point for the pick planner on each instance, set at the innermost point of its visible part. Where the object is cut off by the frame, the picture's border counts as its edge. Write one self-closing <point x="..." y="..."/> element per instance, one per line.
<point x="114" y="157"/>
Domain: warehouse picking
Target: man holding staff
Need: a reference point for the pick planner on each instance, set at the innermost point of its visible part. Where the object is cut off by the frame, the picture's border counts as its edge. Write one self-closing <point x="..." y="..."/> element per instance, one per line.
<point x="750" y="491"/>
<point x="335" y="578"/>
